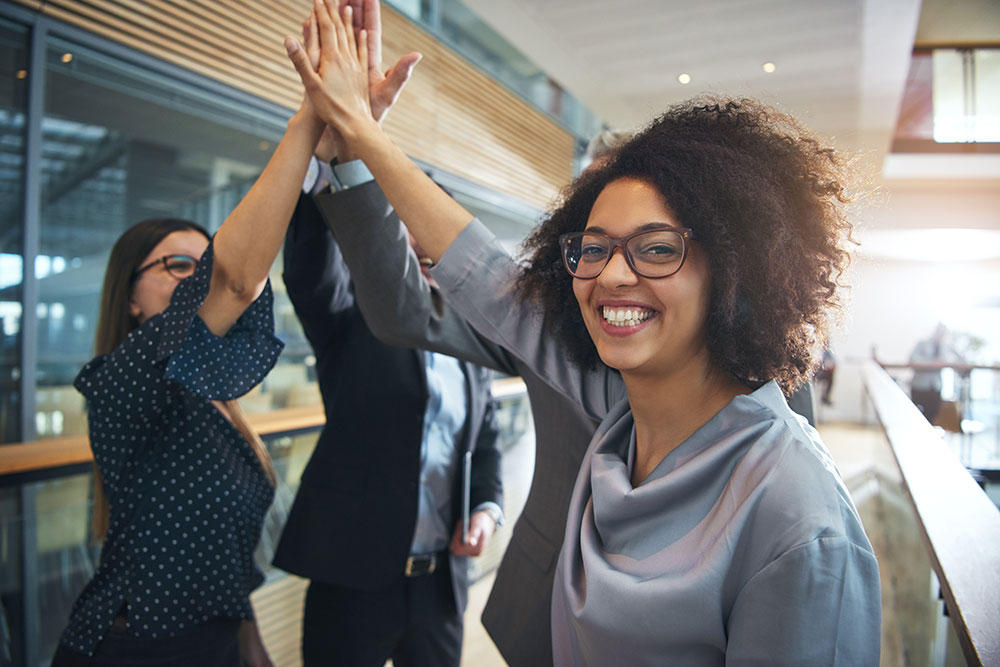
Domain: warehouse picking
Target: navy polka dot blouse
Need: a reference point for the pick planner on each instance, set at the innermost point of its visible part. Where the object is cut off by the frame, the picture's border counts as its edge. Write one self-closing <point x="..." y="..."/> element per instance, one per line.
<point x="187" y="494"/>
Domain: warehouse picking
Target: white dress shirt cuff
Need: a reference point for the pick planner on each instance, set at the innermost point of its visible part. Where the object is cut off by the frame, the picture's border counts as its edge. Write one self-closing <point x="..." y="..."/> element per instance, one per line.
<point x="495" y="511"/>
<point x="350" y="175"/>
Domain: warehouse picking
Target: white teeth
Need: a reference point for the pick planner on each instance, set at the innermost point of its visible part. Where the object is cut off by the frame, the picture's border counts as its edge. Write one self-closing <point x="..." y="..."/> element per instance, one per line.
<point x="625" y="317"/>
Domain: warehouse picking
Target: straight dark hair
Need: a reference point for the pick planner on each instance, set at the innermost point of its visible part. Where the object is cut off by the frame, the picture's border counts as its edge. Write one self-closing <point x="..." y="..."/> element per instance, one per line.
<point x="116" y="321"/>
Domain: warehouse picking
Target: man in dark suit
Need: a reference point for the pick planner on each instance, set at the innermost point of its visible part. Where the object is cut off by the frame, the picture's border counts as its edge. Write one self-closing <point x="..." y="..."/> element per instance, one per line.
<point x="377" y="524"/>
<point x="400" y="308"/>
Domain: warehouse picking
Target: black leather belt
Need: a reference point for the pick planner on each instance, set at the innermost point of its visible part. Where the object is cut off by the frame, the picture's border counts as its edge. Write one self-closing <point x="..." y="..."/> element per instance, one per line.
<point x="423" y="564"/>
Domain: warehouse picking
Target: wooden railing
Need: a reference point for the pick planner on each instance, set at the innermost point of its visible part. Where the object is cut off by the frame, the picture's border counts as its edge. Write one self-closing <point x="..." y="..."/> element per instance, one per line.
<point x="277" y="604"/>
<point x="959" y="523"/>
<point x="24" y="457"/>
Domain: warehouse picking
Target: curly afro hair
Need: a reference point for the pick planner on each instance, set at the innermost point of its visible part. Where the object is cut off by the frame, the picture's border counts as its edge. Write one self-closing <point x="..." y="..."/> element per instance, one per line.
<point x="765" y="199"/>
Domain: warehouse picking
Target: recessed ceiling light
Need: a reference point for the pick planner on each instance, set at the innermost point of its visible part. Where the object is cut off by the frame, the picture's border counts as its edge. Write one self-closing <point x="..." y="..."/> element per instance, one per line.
<point x="769" y="67"/>
<point x="684" y="78"/>
<point x="22" y="74"/>
<point x="66" y="57"/>
<point x="263" y="145"/>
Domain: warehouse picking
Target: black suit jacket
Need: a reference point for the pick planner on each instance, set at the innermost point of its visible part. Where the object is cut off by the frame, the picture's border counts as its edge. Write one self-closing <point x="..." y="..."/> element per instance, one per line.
<point x="353" y="517"/>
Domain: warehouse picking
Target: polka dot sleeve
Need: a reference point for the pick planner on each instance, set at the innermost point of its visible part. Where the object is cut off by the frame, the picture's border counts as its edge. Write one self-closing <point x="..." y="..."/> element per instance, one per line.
<point x="217" y="368"/>
<point x="130" y="385"/>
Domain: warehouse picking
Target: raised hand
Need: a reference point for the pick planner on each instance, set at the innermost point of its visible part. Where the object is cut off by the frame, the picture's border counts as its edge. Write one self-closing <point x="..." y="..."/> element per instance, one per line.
<point x="331" y="144"/>
<point x="338" y="91"/>
<point x="385" y="87"/>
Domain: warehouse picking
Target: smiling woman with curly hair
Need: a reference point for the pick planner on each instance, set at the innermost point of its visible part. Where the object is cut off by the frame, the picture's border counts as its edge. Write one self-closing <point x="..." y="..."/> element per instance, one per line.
<point x="763" y="198"/>
<point x="677" y="292"/>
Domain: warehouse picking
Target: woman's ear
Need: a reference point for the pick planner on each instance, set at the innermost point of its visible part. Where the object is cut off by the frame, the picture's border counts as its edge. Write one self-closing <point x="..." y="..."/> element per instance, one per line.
<point x="134" y="310"/>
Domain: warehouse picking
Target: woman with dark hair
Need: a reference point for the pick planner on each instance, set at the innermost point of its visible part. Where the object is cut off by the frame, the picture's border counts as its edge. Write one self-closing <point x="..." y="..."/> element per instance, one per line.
<point x="183" y="482"/>
<point x="678" y="292"/>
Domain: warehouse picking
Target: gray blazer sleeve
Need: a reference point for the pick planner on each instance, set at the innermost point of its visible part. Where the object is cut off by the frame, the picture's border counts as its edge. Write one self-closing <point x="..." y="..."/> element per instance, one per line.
<point x="398" y="305"/>
<point x="478" y="276"/>
<point x="402" y="309"/>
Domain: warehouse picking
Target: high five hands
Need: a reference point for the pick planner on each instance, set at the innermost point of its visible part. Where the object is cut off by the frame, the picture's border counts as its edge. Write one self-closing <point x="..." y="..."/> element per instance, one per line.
<point x="384" y="88"/>
<point x="343" y="40"/>
<point x="341" y="92"/>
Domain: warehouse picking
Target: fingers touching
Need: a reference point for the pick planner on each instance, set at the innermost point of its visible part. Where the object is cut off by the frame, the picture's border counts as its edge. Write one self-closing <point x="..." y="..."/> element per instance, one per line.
<point x="338" y="90"/>
<point x="372" y="24"/>
<point x="310" y="36"/>
<point x="336" y="33"/>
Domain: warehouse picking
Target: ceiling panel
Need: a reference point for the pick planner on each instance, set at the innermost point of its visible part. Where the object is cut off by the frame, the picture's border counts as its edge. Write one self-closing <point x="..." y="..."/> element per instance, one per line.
<point x="841" y="65"/>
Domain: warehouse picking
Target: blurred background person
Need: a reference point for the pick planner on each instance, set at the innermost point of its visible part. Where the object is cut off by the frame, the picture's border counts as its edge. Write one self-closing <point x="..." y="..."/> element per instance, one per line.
<point x="824" y="375"/>
<point x="925" y="388"/>
<point x="602" y="146"/>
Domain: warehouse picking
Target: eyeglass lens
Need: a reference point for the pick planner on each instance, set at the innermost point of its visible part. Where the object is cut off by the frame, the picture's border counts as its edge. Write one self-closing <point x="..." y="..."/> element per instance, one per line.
<point x="654" y="254"/>
<point x="180" y="266"/>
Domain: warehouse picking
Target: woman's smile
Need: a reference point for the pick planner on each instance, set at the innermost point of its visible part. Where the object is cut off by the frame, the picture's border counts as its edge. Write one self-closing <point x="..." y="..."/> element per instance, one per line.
<point x="624" y="318"/>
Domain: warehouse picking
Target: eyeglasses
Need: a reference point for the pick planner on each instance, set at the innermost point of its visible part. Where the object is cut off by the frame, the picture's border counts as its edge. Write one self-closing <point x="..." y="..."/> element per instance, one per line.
<point x="179" y="266"/>
<point x="652" y="253"/>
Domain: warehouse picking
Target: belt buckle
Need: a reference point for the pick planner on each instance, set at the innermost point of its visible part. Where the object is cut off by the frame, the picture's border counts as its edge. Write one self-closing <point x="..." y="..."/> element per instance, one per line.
<point x="419" y="565"/>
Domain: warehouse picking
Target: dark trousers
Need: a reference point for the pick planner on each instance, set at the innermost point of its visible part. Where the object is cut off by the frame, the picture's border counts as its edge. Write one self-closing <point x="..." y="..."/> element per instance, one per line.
<point x="413" y="621"/>
<point x="214" y="644"/>
<point x="928" y="400"/>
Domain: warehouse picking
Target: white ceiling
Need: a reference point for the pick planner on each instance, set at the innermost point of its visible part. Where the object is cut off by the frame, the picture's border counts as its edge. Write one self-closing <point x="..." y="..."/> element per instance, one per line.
<point x="841" y="64"/>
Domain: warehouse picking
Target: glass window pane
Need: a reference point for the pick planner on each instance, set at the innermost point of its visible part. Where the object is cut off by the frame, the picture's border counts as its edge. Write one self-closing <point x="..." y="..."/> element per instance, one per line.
<point x="987" y="81"/>
<point x="966" y="97"/>
<point x="411" y="8"/>
<point x="949" y="97"/>
<point x="12" y="590"/>
<point x="121" y="144"/>
<point x="13" y="96"/>
<point x="65" y="556"/>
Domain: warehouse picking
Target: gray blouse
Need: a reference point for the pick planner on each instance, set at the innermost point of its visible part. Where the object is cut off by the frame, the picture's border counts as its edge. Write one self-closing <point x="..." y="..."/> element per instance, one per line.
<point x="743" y="545"/>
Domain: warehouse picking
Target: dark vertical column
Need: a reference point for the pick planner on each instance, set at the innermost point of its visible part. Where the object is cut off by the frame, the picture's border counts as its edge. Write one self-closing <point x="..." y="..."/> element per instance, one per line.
<point x="29" y="334"/>
<point x="433" y="9"/>
<point x="32" y="227"/>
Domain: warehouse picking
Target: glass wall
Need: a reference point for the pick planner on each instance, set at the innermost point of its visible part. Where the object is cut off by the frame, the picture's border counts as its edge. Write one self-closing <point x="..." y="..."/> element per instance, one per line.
<point x="123" y="139"/>
<point x="13" y="96"/>
<point x="122" y="144"/>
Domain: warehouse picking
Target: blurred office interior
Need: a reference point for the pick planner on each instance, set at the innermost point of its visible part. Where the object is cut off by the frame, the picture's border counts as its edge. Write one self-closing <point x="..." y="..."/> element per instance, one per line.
<point x="116" y="111"/>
